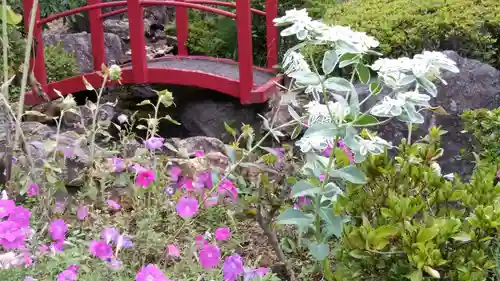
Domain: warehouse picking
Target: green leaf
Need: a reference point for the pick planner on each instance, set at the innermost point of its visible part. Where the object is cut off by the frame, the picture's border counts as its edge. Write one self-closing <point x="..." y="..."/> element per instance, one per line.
<point x="416" y="275"/>
<point x="432" y="272"/>
<point x="319" y="251"/>
<point x="428" y="86"/>
<point x="12" y="17"/>
<point x="363" y="73"/>
<point x="463" y="237"/>
<point x="294" y="217"/>
<point x="322" y="130"/>
<point x="338" y="84"/>
<point x="229" y="129"/>
<point x="296" y="131"/>
<point x="366" y="120"/>
<point x="330" y="60"/>
<point x="334" y="224"/>
<point x="426" y="234"/>
<point x="385" y="231"/>
<point x="144" y="102"/>
<point x="303" y="188"/>
<point x="348" y="59"/>
<point x="350" y="173"/>
<point x="375" y="87"/>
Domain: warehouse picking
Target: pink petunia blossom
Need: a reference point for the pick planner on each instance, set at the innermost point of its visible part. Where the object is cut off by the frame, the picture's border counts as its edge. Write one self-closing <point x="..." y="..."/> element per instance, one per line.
<point x="200" y="241"/>
<point x="199" y="153"/>
<point x="82" y="212"/>
<point x="57" y="246"/>
<point x="118" y="164"/>
<point x="186" y="184"/>
<point x="232" y="267"/>
<point x="150" y="272"/>
<point x="12" y="236"/>
<point x="58" y="229"/>
<point x="145" y="178"/>
<point x="211" y="200"/>
<point x="210" y="256"/>
<point x="154" y="143"/>
<point x="33" y="190"/>
<point x="113" y="205"/>
<point x="187" y="207"/>
<point x="173" y="251"/>
<point x="20" y="215"/>
<point x="67" y="275"/>
<point x="110" y="234"/>
<point x="175" y="172"/>
<point x="6" y="207"/>
<point x="222" y="233"/>
<point x="100" y="249"/>
<point x="227" y="188"/>
<point x="251" y="274"/>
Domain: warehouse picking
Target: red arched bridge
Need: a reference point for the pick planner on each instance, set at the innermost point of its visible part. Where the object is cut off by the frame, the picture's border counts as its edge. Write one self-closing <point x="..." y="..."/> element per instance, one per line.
<point x="240" y="79"/>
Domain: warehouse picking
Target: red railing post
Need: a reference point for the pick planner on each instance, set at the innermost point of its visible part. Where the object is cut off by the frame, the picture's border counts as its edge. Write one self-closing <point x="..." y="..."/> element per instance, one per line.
<point x="245" y="54"/>
<point x="182" y="29"/>
<point x="271" y="33"/>
<point x="38" y="62"/>
<point x="96" y="35"/>
<point x="137" y="41"/>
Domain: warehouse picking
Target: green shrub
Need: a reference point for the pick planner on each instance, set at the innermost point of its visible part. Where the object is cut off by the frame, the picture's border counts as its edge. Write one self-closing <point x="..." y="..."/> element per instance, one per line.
<point x="406" y="27"/>
<point x="59" y="63"/>
<point x="484" y="124"/>
<point x="409" y="223"/>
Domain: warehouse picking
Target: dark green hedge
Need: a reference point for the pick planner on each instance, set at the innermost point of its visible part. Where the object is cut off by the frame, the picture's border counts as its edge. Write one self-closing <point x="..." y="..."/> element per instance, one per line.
<point x="406" y="27"/>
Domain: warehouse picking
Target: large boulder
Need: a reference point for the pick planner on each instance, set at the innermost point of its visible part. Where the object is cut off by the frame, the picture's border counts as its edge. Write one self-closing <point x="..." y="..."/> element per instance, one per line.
<point x="477" y="85"/>
<point x="80" y="45"/>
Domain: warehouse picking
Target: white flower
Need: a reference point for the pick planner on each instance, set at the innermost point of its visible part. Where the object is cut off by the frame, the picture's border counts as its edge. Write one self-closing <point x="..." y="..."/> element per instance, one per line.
<point x="318" y="112"/>
<point x="435" y="166"/>
<point x="389" y="107"/>
<point x="357" y="42"/>
<point x="414" y="97"/>
<point x="294" y="61"/>
<point x="299" y="20"/>
<point x="115" y="72"/>
<point x="375" y="145"/>
<point x="122" y="118"/>
<point x="4" y="195"/>
<point x="308" y="143"/>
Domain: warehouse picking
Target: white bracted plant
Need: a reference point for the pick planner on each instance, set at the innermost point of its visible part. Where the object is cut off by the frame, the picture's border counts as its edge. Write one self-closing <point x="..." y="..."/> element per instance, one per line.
<point x="334" y="116"/>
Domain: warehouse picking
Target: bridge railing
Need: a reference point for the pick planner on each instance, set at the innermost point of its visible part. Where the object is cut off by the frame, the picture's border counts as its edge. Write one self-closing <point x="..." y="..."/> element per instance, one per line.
<point x="134" y="9"/>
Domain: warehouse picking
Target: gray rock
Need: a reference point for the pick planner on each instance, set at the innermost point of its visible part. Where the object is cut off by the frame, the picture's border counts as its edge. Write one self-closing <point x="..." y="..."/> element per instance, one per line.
<point x="206" y="118"/>
<point x="476" y="86"/>
<point x="80" y="45"/>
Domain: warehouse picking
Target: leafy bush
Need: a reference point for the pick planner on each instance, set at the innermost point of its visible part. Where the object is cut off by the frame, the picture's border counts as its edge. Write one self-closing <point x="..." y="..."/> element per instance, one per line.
<point x="409" y="223"/>
<point x="60" y="64"/>
<point x="406" y="27"/>
<point x="484" y="124"/>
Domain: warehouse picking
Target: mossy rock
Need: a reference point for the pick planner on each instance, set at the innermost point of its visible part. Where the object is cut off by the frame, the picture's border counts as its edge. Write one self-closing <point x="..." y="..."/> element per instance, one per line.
<point x="407" y="27"/>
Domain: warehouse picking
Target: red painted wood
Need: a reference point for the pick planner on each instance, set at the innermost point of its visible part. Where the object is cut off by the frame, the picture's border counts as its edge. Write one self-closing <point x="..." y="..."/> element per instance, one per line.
<point x="37" y="64"/>
<point x="81" y="9"/>
<point x="113" y="13"/>
<point x="224" y="4"/>
<point x="97" y="36"/>
<point x="188" y="5"/>
<point x="245" y="54"/>
<point x="137" y="41"/>
<point x="271" y="33"/>
<point x="182" y="29"/>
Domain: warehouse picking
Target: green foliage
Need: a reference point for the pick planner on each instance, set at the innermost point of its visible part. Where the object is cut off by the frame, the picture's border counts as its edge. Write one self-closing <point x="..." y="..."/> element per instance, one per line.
<point x="406" y="27"/>
<point x="409" y="223"/>
<point x="48" y="7"/>
<point x="485" y="126"/>
<point x="60" y="64"/>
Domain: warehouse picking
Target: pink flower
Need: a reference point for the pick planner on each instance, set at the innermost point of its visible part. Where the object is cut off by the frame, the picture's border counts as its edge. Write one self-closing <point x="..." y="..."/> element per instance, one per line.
<point x="175" y="172"/>
<point x="173" y="251"/>
<point x="58" y="230"/>
<point x="200" y="241"/>
<point x="113" y="205"/>
<point x="137" y="168"/>
<point x="227" y="188"/>
<point x="209" y="256"/>
<point x="67" y="275"/>
<point x="222" y="233"/>
<point x="145" y="178"/>
<point x="233" y="267"/>
<point x="154" y="143"/>
<point x="20" y="215"/>
<point x="82" y="212"/>
<point x="187" y="207"/>
<point x="251" y="274"/>
<point x="199" y="153"/>
<point x="150" y="272"/>
<point x="12" y="236"/>
<point x="100" y="249"/>
<point x="57" y="246"/>
<point x="33" y="190"/>
<point x="43" y="249"/>
<point x="210" y="200"/>
<point x="6" y="207"/>
<point x="302" y="201"/>
<point x="205" y="178"/>
<point x="187" y="184"/>
<point x="110" y="234"/>
<point x="118" y="165"/>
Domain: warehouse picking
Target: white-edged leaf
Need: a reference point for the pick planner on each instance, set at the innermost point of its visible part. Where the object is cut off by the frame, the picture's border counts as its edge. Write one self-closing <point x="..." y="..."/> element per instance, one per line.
<point x="88" y="86"/>
<point x="363" y="73"/>
<point x="338" y="84"/>
<point x="330" y="60"/>
<point x="304" y="188"/>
